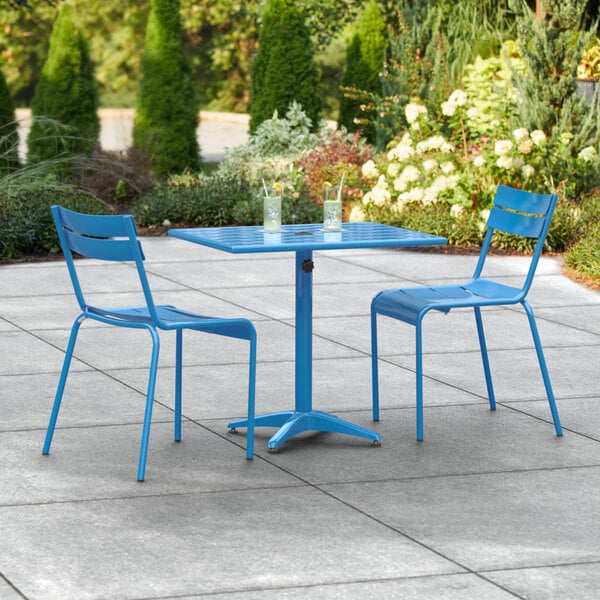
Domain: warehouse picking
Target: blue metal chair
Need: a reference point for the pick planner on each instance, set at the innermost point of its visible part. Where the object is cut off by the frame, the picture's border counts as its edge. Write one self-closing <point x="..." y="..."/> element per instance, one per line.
<point x="514" y="211"/>
<point x="114" y="238"/>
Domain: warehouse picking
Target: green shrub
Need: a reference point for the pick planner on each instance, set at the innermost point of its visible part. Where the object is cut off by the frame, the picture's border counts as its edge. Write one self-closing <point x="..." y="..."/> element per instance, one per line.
<point x="284" y="69"/>
<point x="26" y="225"/>
<point x="167" y="109"/>
<point x="202" y="201"/>
<point x="584" y="255"/>
<point x="66" y="97"/>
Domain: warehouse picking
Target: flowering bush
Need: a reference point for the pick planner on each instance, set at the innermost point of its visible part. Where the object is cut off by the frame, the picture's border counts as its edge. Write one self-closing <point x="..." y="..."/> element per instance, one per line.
<point x="453" y="163"/>
<point x="338" y="154"/>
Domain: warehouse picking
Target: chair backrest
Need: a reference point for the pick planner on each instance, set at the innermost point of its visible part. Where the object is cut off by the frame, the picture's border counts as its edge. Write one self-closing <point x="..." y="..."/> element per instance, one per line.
<point x="520" y="213"/>
<point x="102" y="237"/>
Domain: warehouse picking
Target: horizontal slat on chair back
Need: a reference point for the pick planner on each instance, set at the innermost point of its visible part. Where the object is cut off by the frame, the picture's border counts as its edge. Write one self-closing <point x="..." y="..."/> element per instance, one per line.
<point x="511" y="222"/>
<point x="95" y="225"/>
<point x="527" y="202"/>
<point x="103" y="249"/>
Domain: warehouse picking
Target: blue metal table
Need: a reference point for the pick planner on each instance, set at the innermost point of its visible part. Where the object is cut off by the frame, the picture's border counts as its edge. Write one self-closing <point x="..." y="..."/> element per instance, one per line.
<point x="303" y="240"/>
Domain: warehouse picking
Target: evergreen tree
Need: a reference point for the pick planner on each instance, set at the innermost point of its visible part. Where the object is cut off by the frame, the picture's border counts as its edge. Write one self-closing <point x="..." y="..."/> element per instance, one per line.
<point x="552" y="48"/>
<point x="364" y="62"/>
<point x="284" y="69"/>
<point x="67" y="94"/>
<point x="9" y="138"/>
<point x="167" y="109"/>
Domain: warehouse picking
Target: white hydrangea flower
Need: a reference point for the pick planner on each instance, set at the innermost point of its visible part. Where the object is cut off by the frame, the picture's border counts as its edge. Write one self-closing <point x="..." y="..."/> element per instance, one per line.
<point x="429" y="165"/>
<point x="440" y="183"/>
<point x="400" y="184"/>
<point x="430" y="196"/>
<point x="393" y="169"/>
<point x="357" y="214"/>
<point x="538" y="137"/>
<point x="416" y="194"/>
<point x="520" y="134"/>
<point x="403" y="152"/>
<point x="452" y="181"/>
<point x="369" y="169"/>
<point x="526" y="146"/>
<point x="503" y="147"/>
<point x="448" y="109"/>
<point x="410" y="173"/>
<point x="447" y="147"/>
<point x="380" y="194"/>
<point x="527" y="171"/>
<point x="472" y="113"/>
<point x="448" y="167"/>
<point x="456" y="210"/>
<point x="505" y="162"/>
<point x="588" y="154"/>
<point x="479" y="161"/>
<point x="458" y="97"/>
<point x="413" y="111"/>
<point x="435" y="142"/>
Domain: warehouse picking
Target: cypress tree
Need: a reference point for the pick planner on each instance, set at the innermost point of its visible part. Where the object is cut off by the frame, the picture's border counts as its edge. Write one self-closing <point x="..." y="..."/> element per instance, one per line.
<point x="67" y="93"/>
<point x="167" y="109"/>
<point x="9" y="138"/>
<point x="284" y="69"/>
<point x="364" y="62"/>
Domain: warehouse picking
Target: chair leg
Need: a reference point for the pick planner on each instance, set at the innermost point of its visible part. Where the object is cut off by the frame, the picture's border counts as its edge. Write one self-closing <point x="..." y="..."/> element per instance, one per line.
<point x="485" y="359"/>
<point x="374" y="366"/>
<point x="149" y="403"/>
<point x="178" y="382"/>
<point x="61" y="383"/>
<point x="419" y="375"/>
<point x="543" y="367"/>
<point x="251" y="397"/>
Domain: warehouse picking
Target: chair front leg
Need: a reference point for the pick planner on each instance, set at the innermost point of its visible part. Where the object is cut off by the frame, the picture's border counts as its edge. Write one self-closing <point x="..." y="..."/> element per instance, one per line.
<point x="543" y="367"/>
<point x="419" y="374"/>
<point x="62" y="382"/>
<point x="374" y="366"/>
<point x="149" y="403"/>
<point x="485" y="358"/>
<point x="178" y="382"/>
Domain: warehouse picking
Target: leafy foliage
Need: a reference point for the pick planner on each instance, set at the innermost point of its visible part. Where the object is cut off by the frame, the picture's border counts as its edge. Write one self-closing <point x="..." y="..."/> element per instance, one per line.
<point x="9" y="139"/>
<point x="284" y="69"/>
<point x="548" y="95"/>
<point x="66" y="93"/>
<point x="167" y="110"/>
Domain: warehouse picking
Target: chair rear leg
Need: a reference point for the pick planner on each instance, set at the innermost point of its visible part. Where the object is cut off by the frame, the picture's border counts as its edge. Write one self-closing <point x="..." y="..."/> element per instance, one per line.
<point x="543" y="367"/>
<point x="374" y="366"/>
<point x="149" y="403"/>
<point x="485" y="358"/>
<point x="178" y="383"/>
<point x="61" y="383"/>
<point x="251" y="397"/>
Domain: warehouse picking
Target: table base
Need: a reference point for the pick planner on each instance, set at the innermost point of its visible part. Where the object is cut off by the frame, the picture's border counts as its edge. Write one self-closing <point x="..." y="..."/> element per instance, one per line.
<point x="291" y="422"/>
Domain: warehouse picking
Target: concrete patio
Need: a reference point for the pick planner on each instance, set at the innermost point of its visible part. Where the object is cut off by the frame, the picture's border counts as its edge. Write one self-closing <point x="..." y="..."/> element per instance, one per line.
<point x="492" y="505"/>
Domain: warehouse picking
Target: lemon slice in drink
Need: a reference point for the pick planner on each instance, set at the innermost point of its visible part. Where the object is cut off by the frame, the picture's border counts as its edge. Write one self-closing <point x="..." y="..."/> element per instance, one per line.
<point x="278" y="187"/>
